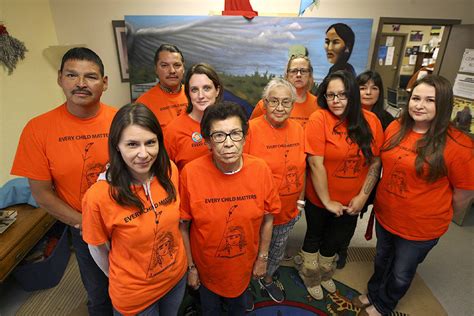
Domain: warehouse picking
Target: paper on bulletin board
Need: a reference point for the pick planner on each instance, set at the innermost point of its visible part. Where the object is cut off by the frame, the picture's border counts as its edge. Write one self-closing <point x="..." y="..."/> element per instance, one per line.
<point x="389" y="58"/>
<point x="412" y="60"/>
<point x="389" y="41"/>
<point x="467" y="62"/>
<point x="464" y="86"/>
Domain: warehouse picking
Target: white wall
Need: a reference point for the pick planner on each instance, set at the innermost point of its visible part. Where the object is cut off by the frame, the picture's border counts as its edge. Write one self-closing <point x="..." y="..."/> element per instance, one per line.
<point x="41" y="23"/>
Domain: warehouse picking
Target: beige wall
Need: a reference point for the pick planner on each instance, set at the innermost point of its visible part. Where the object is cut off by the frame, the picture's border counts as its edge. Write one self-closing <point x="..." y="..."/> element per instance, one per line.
<point x="42" y="23"/>
<point x="31" y="89"/>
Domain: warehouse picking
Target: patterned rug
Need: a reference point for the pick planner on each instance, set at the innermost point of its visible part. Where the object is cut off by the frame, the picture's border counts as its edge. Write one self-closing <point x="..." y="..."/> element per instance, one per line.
<point x="69" y="296"/>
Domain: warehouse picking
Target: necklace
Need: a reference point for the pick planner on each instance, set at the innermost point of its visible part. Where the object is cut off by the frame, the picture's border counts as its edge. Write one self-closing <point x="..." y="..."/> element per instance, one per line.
<point x="228" y="172"/>
<point x="168" y="90"/>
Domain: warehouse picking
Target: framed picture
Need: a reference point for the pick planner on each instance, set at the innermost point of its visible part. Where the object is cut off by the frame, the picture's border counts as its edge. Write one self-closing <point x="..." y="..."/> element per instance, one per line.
<point x="121" y="45"/>
<point x="416" y="36"/>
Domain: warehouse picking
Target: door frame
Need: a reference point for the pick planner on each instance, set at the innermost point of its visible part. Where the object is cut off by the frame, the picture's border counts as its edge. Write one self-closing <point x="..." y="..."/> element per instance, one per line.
<point x="447" y="23"/>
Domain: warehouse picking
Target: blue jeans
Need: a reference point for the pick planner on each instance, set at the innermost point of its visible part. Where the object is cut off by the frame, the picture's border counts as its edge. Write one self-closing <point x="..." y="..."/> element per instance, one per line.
<point x="211" y="303"/>
<point x="395" y="265"/>
<point x="94" y="280"/>
<point x="168" y="304"/>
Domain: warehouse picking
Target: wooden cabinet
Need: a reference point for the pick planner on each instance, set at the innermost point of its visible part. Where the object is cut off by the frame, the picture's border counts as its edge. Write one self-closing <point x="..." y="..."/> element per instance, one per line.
<point x="30" y="226"/>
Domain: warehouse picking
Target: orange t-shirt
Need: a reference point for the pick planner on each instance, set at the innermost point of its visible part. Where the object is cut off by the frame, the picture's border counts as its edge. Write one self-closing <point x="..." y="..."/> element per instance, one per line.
<point x="69" y="151"/>
<point x="226" y="212"/>
<point x="146" y="259"/>
<point x="165" y="106"/>
<point x="183" y="140"/>
<point x="411" y="207"/>
<point x="346" y="169"/>
<point x="300" y="113"/>
<point x="283" y="151"/>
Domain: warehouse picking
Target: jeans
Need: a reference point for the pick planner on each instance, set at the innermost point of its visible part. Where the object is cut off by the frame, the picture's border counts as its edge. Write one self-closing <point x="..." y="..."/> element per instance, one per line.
<point x="211" y="303"/>
<point x="94" y="280"/>
<point x="168" y="305"/>
<point x="395" y="265"/>
<point x="325" y="232"/>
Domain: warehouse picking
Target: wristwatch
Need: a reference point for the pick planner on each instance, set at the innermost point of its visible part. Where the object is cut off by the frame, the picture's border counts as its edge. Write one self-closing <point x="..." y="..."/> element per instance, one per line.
<point x="263" y="256"/>
<point x="301" y="202"/>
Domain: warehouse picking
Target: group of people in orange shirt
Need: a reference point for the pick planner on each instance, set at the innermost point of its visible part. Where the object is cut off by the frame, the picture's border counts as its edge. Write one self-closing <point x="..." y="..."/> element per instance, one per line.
<point x="196" y="194"/>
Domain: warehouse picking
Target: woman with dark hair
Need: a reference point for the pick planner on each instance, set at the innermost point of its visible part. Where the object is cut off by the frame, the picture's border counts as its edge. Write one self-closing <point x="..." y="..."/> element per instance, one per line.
<point x="414" y="208"/>
<point x="338" y="44"/>
<point x="131" y="218"/>
<point x="299" y="72"/>
<point x="183" y="139"/>
<point x="227" y="207"/>
<point x="342" y="142"/>
<point x="371" y="96"/>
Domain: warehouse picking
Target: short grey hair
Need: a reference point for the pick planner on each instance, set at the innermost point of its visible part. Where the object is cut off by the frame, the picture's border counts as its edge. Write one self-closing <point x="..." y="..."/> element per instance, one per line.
<point x="276" y="83"/>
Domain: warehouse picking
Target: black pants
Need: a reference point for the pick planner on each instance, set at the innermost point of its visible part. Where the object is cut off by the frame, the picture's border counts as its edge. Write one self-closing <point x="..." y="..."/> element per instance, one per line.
<point x="325" y="232"/>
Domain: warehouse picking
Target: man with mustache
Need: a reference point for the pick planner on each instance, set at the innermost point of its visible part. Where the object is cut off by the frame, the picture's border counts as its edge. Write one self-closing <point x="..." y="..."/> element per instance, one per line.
<point x="58" y="149"/>
<point x="167" y="99"/>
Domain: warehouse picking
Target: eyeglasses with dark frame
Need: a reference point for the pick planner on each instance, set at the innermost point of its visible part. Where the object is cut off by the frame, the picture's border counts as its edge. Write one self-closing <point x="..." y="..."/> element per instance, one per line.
<point x="294" y="71"/>
<point x="332" y="96"/>
<point x="220" y="137"/>
<point x="274" y="103"/>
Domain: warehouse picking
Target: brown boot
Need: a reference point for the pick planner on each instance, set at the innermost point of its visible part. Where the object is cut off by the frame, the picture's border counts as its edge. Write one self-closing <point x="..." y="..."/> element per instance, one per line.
<point x="307" y="265"/>
<point x="328" y="267"/>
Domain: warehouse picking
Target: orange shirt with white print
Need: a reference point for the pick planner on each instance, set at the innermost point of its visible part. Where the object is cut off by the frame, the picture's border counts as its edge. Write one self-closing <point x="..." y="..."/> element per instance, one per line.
<point x="183" y="140"/>
<point x="346" y="167"/>
<point x="283" y="151"/>
<point x="409" y="206"/>
<point x="300" y="113"/>
<point x="226" y="212"/>
<point x="65" y="149"/>
<point x="147" y="256"/>
<point x="166" y="106"/>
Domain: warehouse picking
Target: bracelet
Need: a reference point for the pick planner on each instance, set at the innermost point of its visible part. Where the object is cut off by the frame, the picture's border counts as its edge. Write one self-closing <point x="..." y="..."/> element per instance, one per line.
<point x="263" y="256"/>
<point x="301" y="202"/>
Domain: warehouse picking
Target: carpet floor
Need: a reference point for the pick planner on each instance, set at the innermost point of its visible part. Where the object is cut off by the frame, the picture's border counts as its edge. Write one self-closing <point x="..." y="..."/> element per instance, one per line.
<point x="69" y="296"/>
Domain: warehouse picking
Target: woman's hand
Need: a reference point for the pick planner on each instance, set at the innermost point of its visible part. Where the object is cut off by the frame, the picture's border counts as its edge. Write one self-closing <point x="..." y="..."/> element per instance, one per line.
<point x="193" y="278"/>
<point x="335" y="207"/>
<point x="356" y="204"/>
<point x="259" y="268"/>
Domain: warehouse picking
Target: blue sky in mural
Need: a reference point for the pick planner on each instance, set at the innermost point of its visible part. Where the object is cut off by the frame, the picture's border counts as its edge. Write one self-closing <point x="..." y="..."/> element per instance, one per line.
<point x="238" y="46"/>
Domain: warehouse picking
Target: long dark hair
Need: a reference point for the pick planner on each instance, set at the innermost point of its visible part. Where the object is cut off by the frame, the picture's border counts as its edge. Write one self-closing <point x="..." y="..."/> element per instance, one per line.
<point x="429" y="148"/>
<point x="358" y="130"/>
<point x="365" y="77"/>
<point x="345" y="32"/>
<point x="118" y="174"/>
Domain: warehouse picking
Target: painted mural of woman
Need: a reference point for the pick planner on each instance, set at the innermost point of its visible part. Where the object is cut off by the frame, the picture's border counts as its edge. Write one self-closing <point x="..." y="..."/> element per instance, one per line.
<point x="338" y="44"/>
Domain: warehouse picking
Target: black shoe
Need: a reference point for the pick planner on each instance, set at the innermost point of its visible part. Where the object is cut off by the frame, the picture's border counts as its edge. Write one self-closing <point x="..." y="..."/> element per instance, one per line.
<point x="341" y="261"/>
<point x="274" y="290"/>
<point x="249" y="305"/>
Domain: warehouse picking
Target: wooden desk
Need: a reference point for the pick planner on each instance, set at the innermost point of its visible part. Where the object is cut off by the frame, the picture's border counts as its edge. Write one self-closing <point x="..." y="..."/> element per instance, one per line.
<point x="30" y="226"/>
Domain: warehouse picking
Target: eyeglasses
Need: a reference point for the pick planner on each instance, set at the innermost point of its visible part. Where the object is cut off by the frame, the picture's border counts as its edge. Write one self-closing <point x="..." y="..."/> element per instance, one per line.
<point x="220" y="137"/>
<point x="332" y="96"/>
<point x="295" y="71"/>
<point x="274" y="103"/>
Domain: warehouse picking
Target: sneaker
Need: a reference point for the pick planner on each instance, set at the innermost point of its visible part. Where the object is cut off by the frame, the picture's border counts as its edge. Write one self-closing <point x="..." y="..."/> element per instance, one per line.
<point x="249" y="305"/>
<point x="274" y="290"/>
